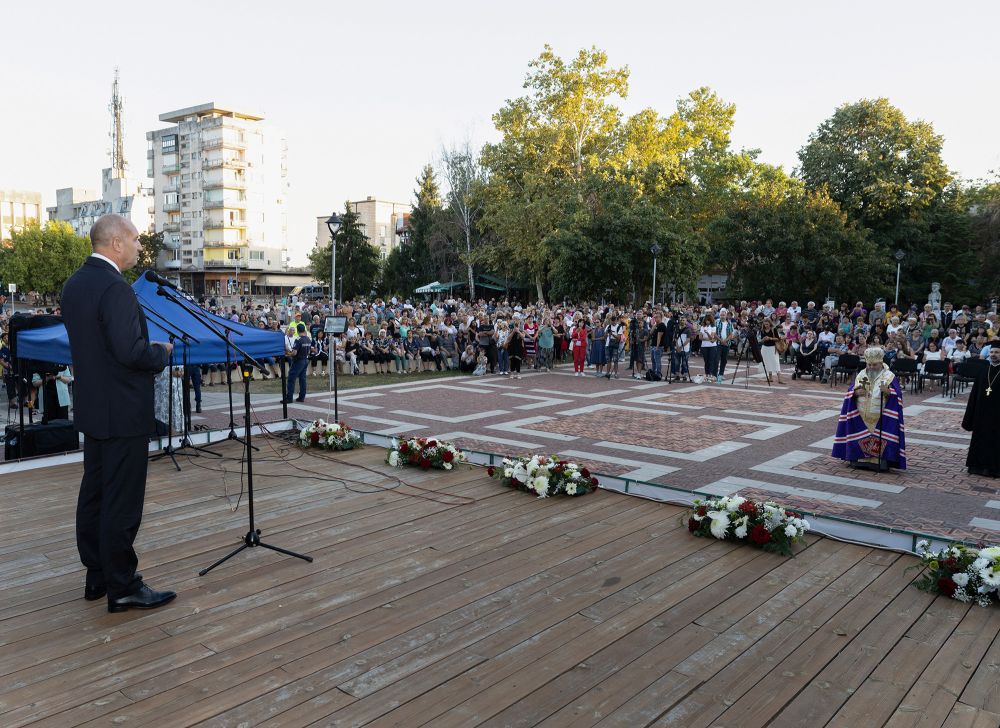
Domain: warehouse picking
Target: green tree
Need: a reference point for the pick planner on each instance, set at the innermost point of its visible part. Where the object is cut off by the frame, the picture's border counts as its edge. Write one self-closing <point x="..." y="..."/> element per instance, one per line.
<point x="40" y="259"/>
<point x="152" y="245"/>
<point x="796" y="243"/>
<point x="886" y="173"/>
<point x="550" y="138"/>
<point x="357" y="260"/>
<point x="465" y="176"/>
<point x="412" y="264"/>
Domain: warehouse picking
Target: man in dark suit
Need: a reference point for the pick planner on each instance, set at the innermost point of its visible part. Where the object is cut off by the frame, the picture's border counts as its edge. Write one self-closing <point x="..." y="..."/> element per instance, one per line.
<point x="113" y="363"/>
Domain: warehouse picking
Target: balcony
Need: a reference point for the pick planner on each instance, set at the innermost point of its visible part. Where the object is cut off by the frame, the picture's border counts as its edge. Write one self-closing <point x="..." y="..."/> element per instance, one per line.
<point x="172" y="265"/>
<point x="229" y="184"/>
<point x="225" y="244"/>
<point x="231" y="163"/>
<point x="170" y="168"/>
<point x="222" y="142"/>
<point x="171" y="243"/>
<point x="171" y="227"/>
<point x="224" y="204"/>
<point x="171" y="206"/>
<point x="222" y="224"/>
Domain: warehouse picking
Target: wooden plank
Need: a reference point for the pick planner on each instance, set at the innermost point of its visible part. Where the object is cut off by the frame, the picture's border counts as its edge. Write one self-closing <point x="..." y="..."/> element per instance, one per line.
<point x="967" y="716"/>
<point x="930" y="700"/>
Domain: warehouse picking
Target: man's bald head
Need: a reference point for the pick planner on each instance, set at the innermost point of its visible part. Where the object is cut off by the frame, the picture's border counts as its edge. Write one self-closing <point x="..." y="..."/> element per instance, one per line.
<point x="115" y="237"/>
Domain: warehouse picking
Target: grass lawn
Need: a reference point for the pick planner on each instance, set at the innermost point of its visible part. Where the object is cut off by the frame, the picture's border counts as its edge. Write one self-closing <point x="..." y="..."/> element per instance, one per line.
<point x="344" y="382"/>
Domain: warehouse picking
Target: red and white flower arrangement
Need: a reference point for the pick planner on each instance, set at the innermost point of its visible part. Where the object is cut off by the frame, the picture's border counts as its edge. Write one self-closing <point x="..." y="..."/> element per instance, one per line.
<point x="424" y="453"/>
<point x="329" y="436"/>
<point x="961" y="572"/>
<point x="544" y="475"/>
<point x="766" y="525"/>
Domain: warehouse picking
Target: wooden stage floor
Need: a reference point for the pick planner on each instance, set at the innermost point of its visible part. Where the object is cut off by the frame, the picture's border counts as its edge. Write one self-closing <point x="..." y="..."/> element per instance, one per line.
<point x="460" y="603"/>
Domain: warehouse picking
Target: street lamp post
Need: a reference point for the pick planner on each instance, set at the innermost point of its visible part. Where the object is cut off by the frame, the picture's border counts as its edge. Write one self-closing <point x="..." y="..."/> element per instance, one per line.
<point x="899" y="263"/>
<point x="333" y="225"/>
<point x="655" y="250"/>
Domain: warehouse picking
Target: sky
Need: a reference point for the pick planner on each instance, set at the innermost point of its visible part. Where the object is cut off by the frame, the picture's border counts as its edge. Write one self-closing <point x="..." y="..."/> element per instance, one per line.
<point x="367" y="93"/>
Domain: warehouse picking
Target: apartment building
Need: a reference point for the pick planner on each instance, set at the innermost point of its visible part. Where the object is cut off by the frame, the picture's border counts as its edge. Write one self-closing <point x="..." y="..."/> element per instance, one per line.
<point x="81" y="207"/>
<point x="220" y="189"/>
<point x="383" y="222"/>
<point x="17" y="209"/>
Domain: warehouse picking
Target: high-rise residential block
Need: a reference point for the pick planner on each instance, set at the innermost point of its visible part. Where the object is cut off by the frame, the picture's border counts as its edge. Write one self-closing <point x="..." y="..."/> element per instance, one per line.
<point x="220" y="188"/>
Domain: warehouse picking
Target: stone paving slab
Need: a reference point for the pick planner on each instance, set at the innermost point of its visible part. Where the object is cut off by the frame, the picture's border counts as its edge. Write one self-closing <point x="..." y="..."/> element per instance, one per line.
<point x="763" y="441"/>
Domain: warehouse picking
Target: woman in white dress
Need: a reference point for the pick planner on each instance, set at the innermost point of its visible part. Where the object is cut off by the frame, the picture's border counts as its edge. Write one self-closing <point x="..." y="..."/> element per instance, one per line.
<point x="769" y="354"/>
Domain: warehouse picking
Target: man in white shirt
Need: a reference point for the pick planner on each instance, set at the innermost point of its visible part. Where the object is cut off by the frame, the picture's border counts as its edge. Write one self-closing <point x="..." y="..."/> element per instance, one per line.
<point x="794" y="311"/>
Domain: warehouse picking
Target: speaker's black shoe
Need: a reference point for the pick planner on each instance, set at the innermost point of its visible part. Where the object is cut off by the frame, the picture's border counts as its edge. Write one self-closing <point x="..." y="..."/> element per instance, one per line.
<point x="143" y="598"/>
<point x="93" y="593"/>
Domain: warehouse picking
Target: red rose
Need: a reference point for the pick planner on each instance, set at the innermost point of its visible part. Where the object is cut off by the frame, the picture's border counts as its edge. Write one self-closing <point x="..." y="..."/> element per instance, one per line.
<point x="403" y="447"/>
<point x="490" y="471"/>
<point x="585" y="473"/>
<point x="432" y="443"/>
<point x="425" y="463"/>
<point x="593" y="482"/>
<point x="692" y="525"/>
<point x="414" y="458"/>
<point x="447" y="456"/>
<point x="702" y="511"/>
<point x="314" y="437"/>
<point x="946" y="586"/>
<point x="759" y="534"/>
<point x="748" y="507"/>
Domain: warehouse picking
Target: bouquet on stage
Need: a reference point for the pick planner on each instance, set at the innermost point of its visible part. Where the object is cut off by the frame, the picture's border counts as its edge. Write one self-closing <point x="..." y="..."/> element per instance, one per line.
<point x="424" y="453"/>
<point x="329" y="436"/>
<point x="870" y="430"/>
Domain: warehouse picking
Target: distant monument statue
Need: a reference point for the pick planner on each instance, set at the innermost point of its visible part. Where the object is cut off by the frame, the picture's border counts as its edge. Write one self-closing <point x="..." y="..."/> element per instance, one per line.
<point x="934" y="299"/>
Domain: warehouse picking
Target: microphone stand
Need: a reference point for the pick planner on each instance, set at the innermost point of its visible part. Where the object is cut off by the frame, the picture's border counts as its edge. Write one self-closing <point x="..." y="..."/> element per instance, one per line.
<point x="252" y="537"/>
<point x="229" y="386"/>
<point x="168" y="451"/>
<point x="173" y="333"/>
<point x="186" y="439"/>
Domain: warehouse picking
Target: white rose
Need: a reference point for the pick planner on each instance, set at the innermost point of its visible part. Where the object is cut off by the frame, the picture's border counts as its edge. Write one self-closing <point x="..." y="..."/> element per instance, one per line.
<point x="960" y="579"/>
<point x="394" y="458"/>
<point x="508" y="472"/>
<point x="735" y="502"/>
<point x="741" y="531"/>
<point x="447" y="466"/>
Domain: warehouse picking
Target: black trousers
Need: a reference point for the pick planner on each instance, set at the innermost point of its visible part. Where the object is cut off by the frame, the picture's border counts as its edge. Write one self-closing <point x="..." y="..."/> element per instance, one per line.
<point x="109" y="510"/>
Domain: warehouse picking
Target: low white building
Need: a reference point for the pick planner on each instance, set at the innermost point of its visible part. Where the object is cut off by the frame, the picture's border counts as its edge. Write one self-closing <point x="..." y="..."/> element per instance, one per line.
<point x="17" y="209"/>
<point x="81" y="207"/>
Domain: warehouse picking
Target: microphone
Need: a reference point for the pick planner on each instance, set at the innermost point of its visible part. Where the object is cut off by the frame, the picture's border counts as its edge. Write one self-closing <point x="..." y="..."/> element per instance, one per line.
<point x="159" y="280"/>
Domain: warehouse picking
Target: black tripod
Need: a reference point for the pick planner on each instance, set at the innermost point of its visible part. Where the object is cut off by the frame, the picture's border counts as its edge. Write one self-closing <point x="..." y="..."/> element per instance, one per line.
<point x="252" y="537"/>
<point x="749" y="348"/>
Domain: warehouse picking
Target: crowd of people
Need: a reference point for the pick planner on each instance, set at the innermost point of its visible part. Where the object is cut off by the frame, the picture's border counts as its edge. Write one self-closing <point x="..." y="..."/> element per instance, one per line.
<point x="505" y="338"/>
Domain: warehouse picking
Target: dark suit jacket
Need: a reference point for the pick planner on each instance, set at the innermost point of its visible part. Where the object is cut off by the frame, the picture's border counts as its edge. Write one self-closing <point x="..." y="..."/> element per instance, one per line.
<point x="113" y="361"/>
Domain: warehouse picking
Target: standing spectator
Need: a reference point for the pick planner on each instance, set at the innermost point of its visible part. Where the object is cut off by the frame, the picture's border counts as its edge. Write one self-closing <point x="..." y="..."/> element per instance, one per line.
<point x="515" y="349"/>
<point x="578" y="345"/>
<point x="300" y="361"/>
<point x="709" y="348"/>
<point x="546" y="345"/>
<point x="725" y="335"/>
<point x="658" y="340"/>
<point x="769" y="352"/>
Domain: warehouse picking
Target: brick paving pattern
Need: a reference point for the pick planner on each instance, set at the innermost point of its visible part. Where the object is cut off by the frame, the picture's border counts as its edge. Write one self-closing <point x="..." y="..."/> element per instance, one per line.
<point x="555" y="413"/>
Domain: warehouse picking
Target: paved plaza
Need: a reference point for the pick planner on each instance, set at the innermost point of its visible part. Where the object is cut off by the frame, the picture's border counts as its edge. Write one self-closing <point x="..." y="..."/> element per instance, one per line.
<point x="763" y="442"/>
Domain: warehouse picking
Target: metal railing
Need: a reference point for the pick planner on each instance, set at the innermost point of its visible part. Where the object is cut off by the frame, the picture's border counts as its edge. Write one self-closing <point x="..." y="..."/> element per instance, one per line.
<point x="221" y="204"/>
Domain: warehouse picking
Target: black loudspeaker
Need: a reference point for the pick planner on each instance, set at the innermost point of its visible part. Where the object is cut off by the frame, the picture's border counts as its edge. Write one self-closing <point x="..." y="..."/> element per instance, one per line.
<point x="37" y="439"/>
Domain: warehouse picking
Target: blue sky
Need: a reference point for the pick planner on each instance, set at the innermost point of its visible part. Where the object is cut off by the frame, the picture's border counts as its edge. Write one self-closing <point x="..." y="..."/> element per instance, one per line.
<point x="368" y="93"/>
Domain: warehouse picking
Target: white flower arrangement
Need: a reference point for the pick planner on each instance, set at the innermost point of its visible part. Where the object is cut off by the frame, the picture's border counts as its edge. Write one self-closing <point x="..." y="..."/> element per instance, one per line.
<point x="961" y="572"/>
<point x="329" y="436"/>
<point x="544" y="476"/>
<point x="767" y="525"/>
